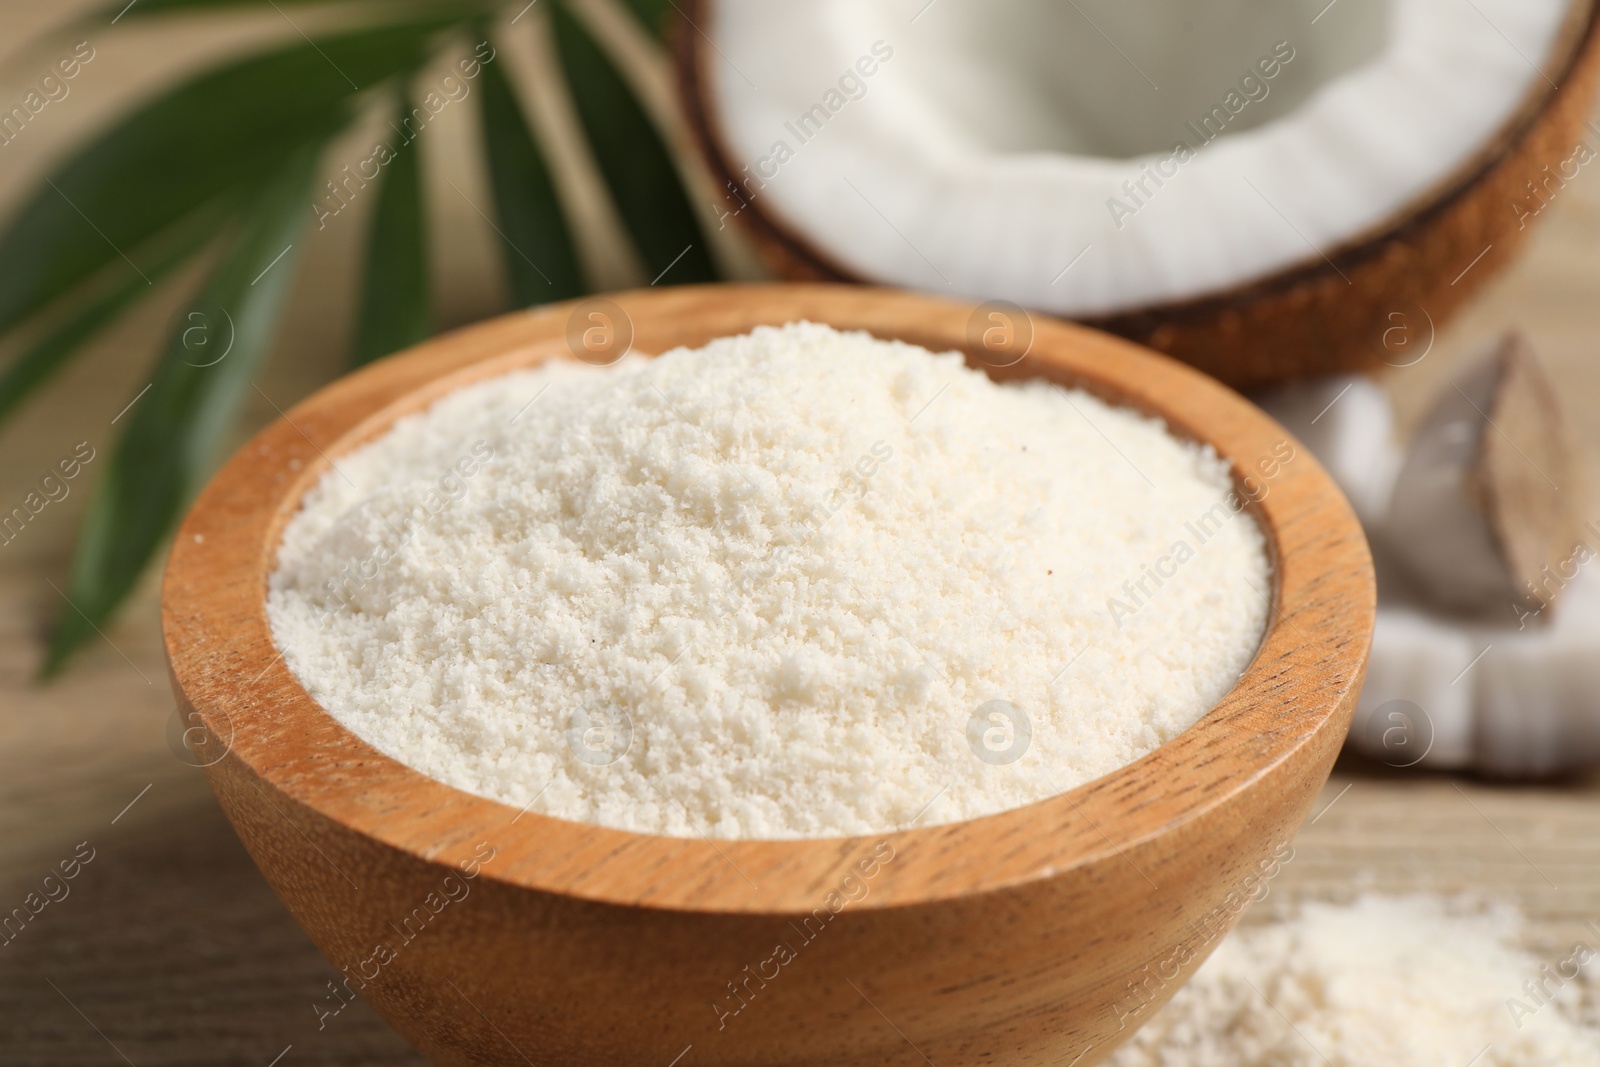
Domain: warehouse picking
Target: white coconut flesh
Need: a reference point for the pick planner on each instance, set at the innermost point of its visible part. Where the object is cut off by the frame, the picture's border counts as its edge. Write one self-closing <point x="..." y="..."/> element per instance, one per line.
<point x="993" y="141"/>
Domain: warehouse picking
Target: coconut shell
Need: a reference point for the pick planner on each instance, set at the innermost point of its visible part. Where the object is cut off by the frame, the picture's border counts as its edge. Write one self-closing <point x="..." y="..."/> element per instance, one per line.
<point x="1376" y="300"/>
<point x="1487" y="506"/>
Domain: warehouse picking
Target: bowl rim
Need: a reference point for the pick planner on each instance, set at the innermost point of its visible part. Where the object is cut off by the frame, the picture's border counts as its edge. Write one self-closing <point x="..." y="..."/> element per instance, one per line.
<point x="224" y="664"/>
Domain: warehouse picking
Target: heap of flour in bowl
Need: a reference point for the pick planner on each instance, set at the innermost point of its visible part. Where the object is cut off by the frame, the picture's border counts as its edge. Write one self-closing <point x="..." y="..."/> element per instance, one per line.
<point x="796" y="583"/>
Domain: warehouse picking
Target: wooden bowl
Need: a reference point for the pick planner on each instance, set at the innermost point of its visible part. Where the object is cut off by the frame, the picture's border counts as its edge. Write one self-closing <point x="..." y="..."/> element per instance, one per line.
<point x="1041" y="935"/>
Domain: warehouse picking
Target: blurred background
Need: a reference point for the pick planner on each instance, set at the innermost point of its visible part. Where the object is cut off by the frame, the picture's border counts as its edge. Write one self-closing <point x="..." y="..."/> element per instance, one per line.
<point x="170" y="948"/>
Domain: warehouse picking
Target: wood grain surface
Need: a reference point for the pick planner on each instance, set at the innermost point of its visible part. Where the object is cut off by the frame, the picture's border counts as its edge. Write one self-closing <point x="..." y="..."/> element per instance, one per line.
<point x="172" y="949"/>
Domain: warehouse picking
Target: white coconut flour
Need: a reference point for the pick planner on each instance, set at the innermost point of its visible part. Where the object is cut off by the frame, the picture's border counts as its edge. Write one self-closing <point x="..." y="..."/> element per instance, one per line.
<point x="1412" y="981"/>
<point x="795" y="583"/>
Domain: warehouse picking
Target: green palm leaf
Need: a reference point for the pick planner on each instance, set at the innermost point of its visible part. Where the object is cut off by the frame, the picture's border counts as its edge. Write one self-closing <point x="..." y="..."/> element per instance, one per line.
<point x="131" y="9"/>
<point x="633" y="159"/>
<point x="175" y="427"/>
<point x="99" y="309"/>
<point x="539" y="257"/>
<point x="218" y="132"/>
<point x="120" y="9"/>
<point x="395" y="308"/>
<point x="653" y="13"/>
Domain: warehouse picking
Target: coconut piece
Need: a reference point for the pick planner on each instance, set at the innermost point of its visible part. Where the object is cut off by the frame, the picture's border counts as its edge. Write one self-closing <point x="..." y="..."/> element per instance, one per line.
<point x="1538" y="690"/>
<point x="1247" y="192"/>
<point x="1516" y="701"/>
<point x="1530" y="475"/>
<point x="1416" y="708"/>
<point x="1488" y="498"/>
<point x="1347" y="422"/>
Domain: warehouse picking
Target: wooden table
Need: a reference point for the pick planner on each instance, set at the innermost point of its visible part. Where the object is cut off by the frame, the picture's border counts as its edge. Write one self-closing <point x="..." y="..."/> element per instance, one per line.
<point x="171" y="949"/>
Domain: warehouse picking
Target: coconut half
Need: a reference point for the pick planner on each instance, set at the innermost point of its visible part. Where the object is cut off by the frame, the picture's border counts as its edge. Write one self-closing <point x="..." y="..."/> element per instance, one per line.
<point x="1268" y="189"/>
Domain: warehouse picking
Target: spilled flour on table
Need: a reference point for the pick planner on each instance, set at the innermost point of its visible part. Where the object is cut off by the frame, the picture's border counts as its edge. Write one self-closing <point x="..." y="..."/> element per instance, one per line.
<point x="1397" y="981"/>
